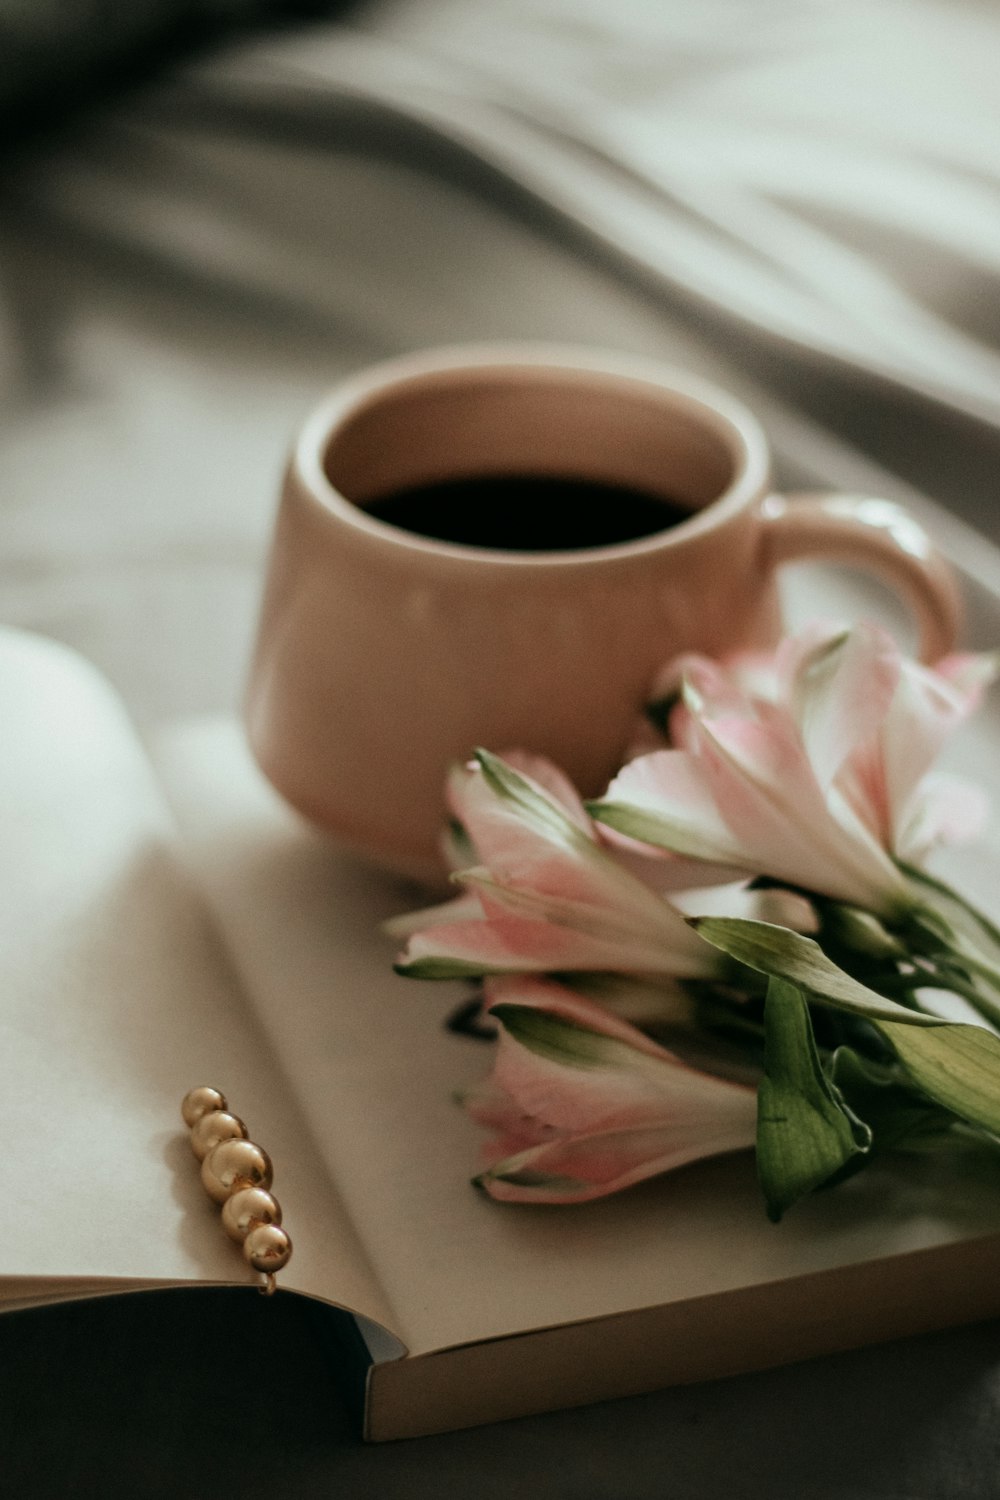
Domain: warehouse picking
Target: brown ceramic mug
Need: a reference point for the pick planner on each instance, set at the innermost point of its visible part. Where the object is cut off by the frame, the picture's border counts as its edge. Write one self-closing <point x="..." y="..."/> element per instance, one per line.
<point x="383" y="654"/>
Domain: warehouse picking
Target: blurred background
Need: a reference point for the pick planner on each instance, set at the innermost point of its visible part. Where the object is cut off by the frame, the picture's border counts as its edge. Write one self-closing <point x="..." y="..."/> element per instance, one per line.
<point x="211" y="209"/>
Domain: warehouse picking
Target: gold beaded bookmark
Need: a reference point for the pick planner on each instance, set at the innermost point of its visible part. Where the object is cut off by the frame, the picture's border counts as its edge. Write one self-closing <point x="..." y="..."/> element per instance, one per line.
<point x="237" y="1174"/>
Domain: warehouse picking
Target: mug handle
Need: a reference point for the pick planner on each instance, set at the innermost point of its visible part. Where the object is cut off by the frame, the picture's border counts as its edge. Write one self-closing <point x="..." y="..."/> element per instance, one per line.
<point x="880" y="536"/>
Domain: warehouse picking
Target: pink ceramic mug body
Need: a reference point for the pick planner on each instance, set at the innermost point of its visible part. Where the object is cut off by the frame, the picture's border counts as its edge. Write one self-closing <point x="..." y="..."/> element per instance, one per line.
<point x="383" y="656"/>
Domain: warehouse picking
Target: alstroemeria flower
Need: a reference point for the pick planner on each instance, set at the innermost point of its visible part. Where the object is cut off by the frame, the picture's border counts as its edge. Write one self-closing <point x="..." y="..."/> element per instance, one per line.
<point x="911" y="807"/>
<point x="547" y="895"/>
<point x="816" y="775"/>
<point x="582" y="1104"/>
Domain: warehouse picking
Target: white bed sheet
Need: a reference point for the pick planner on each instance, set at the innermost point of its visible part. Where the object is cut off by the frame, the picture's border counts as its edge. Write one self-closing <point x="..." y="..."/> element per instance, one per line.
<point x="798" y="200"/>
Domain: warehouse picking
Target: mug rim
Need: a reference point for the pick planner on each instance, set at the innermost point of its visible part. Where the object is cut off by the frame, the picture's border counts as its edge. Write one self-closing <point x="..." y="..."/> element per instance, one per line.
<point x="725" y="415"/>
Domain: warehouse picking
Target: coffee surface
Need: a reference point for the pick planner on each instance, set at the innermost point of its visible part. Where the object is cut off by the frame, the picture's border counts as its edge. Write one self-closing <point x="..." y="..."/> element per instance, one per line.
<point x="527" y="512"/>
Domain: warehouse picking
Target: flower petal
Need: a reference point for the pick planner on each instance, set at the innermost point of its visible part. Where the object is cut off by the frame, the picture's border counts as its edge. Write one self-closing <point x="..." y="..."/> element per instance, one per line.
<point x="539" y="863"/>
<point x="946" y="810"/>
<point x="651" y="938"/>
<point x="926" y="709"/>
<point x="494" y="1109"/>
<point x="648" y="1002"/>
<point x="551" y="779"/>
<point x="764" y="788"/>
<point x="465" y="907"/>
<point x="529" y="841"/>
<point x="590" y="1103"/>
<point x="580" y="1168"/>
<point x="572" y="1006"/>
<point x="510" y="944"/>
<point x="603" y="1075"/>
<point x="969" y="673"/>
<point x="745" y="795"/>
<point x="665" y="799"/>
<point x="841" y="690"/>
<point x="772" y="904"/>
<point x="507" y="813"/>
<point x="664" y="872"/>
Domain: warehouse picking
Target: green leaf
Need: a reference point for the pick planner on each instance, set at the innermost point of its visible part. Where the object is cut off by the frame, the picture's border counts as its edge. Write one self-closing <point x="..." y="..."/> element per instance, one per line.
<point x="432" y="967"/>
<point x="957" y="1065"/>
<point x="551" y="1182"/>
<point x="538" y="811"/>
<point x="900" y="1116"/>
<point x="805" y="1133"/>
<point x="784" y="954"/>
<point x="664" y="832"/>
<point x="859" y="932"/>
<point x="556" y="1039"/>
<point x="662" y="1001"/>
<point x="460" y="848"/>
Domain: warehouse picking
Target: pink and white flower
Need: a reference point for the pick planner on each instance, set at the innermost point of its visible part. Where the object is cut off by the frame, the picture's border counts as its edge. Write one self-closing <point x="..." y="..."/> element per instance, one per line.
<point x="812" y="767"/>
<point x="815" y="773"/>
<point x="547" y="895"/>
<point x="582" y="1104"/>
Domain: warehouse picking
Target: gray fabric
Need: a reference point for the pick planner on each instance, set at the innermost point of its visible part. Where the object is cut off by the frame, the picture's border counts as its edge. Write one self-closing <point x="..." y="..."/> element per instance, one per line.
<point x="799" y="200"/>
<point x="183" y="279"/>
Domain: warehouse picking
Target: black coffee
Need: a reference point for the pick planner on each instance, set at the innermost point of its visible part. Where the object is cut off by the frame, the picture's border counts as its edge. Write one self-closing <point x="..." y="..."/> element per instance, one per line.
<point x="527" y="512"/>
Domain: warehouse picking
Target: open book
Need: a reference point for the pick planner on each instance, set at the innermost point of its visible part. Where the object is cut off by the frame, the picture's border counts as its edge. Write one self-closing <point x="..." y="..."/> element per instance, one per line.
<point x="165" y="921"/>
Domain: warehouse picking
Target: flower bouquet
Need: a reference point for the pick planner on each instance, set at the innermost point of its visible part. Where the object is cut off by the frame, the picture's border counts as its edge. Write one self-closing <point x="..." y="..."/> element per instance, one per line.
<point x="739" y="944"/>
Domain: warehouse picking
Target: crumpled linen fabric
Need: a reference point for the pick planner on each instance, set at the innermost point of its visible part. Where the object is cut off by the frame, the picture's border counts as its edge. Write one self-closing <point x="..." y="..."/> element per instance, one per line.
<point x="798" y="199"/>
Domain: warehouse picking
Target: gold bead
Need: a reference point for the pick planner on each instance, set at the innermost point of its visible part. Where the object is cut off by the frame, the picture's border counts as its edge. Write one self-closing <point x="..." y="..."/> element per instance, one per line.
<point x="246" y="1209"/>
<point x="218" y="1125"/>
<point x="235" y="1164"/>
<point x="201" y="1101"/>
<point x="267" y="1248"/>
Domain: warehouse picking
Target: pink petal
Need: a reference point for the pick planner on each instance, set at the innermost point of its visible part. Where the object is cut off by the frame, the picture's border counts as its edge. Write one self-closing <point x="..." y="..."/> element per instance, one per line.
<point x="649" y="936"/>
<point x="711" y="689"/>
<point x="615" y="1108"/>
<point x="466" y="907"/>
<point x="643" y="1000"/>
<point x="925" y="711"/>
<point x="758" y="674"/>
<point x="664" y="872"/>
<point x="969" y="673"/>
<point x="491" y="1107"/>
<point x="765" y="790"/>
<point x="548" y="777"/>
<point x="946" y="810"/>
<point x="521" y="945"/>
<point x="535" y="845"/>
<point x="840" y="694"/>
<point x="541" y="865"/>
<point x="581" y="1168"/>
<point x="778" y="907"/>
<point x="669" y="794"/>
<point x="496" y="826"/>
<point x="714" y="687"/>
<point x="569" y="1005"/>
<point x="862" y="784"/>
<point x="793" y="649"/>
<point x="624" y="1082"/>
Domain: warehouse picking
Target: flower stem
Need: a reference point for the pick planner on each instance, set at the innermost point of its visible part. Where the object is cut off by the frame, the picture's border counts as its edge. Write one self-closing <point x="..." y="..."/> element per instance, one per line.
<point x="953" y="959"/>
<point x="943" y="889"/>
<point x="988" y="1009"/>
<point x="969" y="959"/>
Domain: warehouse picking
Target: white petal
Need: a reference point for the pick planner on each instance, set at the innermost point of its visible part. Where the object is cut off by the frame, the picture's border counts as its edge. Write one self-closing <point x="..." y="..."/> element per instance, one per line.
<point x="841" y="694"/>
